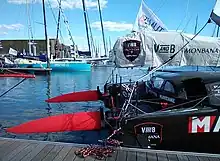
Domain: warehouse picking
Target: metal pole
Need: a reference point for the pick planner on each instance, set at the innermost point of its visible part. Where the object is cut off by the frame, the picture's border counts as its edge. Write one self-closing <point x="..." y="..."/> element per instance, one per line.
<point x="103" y="36"/>
<point x="87" y="33"/>
<point x="195" y="29"/>
<point x="58" y="28"/>
<point x="45" y="30"/>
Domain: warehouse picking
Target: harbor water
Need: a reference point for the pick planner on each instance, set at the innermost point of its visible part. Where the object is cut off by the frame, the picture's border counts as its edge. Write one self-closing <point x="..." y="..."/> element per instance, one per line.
<point x="27" y="101"/>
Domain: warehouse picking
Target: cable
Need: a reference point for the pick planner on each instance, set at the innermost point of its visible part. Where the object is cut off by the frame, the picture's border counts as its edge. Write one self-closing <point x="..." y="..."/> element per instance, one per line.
<point x="186" y="24"/>
<point x="159" y="8"/>
<point x="13" y="87"/>
<point x="187" y="8"/>
<point x="55" y="19"/>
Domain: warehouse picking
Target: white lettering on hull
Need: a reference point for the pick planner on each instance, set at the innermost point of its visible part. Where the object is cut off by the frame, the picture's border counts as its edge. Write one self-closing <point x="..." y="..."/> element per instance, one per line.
<point x="204" y="124"/>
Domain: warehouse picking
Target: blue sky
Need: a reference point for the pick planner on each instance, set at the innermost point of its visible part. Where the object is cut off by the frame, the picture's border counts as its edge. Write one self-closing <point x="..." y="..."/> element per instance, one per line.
<point x="118" y="17"/>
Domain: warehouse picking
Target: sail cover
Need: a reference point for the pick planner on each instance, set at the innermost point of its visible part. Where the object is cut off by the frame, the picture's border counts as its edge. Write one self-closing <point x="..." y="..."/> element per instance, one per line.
<point x="215" y="15"/>
<point x="154" y="48"/>
<point x="128" y="50"/>
<point x="146" y="20"/>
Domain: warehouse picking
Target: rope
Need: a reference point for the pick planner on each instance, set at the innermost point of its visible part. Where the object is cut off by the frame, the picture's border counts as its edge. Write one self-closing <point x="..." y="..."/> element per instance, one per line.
<point x="55" y="19"/>
<point x="101" y="151"/>
<point x="95" y="151"/>
<point x="12" y="87"/>
<point x="110" y="75"/>
<point x="172" y="107"/>
<point x="159" y="8"/>
<point x="187" y="8"/>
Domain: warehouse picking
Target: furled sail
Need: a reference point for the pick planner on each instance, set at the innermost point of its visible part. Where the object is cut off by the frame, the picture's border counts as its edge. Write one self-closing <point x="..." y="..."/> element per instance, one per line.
<point x="154" y="48"/>
<point x="215" y="15"/>
<point x="146" y="20"/>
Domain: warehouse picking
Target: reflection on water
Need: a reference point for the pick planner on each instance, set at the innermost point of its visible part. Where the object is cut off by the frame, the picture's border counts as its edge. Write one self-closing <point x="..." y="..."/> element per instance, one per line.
<point x="27" y="101"/>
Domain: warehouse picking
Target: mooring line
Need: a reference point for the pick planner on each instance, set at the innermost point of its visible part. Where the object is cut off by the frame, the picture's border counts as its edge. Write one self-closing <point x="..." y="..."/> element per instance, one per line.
<point x="13" y="87"/>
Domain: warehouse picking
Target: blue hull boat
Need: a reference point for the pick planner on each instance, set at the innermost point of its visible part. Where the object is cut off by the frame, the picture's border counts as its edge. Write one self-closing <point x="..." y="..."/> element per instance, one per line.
<point x="72" y="66"/>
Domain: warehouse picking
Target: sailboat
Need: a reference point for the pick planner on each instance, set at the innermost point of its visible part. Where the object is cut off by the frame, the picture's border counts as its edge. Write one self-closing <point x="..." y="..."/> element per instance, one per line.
<point x="58" y="64"/>
<point x="187" y="128"/>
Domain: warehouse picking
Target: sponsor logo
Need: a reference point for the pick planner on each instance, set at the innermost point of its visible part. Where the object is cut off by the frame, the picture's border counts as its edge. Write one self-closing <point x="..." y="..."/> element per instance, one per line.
<point x="167" y="98"/>
<point x="162" y="48"/>
<point x="60" y="65"/>
<point x="204" y="124"/>
<point x="131" y="49"/>
<point x="152" y="131"/>
<point x="201" y="50"/>
<point x="145" y="22"/>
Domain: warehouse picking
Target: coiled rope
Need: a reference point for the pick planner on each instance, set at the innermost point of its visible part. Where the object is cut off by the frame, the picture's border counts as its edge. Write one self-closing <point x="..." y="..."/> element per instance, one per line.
<point x="106" y="149"/>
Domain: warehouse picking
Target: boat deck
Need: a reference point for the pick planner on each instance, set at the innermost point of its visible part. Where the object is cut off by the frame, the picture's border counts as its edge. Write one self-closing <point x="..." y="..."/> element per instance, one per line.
<point x="26" y="150"/>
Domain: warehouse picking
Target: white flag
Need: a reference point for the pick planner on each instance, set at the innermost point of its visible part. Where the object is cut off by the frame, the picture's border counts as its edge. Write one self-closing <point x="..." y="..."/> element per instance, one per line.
<point x="12" y="52"/>
<point x="147" y="20"/>
<point x="215" y="15"/>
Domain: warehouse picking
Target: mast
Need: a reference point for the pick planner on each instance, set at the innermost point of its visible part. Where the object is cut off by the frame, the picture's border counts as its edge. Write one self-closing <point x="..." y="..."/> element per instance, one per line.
<point x="29" y="30"/>
<point x="91" y="37"/>
<point x="103" y="36"/>
<point x="58" y="28"/>
<point x="110" y="46"/>
<point x="196" y="25"/>
<point x="45" y="31"/>
<point x="85" y="17"/>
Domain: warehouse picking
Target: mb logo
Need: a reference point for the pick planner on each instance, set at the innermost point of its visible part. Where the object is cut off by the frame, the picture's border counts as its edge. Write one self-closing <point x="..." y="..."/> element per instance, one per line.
<point x="164" y="48"/>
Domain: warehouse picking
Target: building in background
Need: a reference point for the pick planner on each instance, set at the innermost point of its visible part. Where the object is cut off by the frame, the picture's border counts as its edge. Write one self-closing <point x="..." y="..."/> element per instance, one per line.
<point x="37" y="47"/>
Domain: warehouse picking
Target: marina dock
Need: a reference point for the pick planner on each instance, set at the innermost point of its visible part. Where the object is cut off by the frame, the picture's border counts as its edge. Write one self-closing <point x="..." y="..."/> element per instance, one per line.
<point x="26" y="150"/>
<point x="36" y="71"/>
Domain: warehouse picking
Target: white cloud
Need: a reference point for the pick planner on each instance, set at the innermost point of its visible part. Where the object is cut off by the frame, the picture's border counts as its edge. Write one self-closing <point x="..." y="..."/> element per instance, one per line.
<point x="3" y="33"/>
<point x="23" y="1"/>
<point x="12" y="27"/>
<point x="112" y="26"/>
<point x="66" y="4"/>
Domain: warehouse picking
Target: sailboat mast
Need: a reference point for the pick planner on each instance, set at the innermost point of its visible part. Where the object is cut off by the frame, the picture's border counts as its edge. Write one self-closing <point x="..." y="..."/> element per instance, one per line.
<point x="45" y="32"/>
<point x="58" y="28"/>
<point x="196" y="25"/>
<point x="87" y="32"/>
<point x="110" y="46"/>
<point x="103" y="36"/>
<point x="91" y="37"/>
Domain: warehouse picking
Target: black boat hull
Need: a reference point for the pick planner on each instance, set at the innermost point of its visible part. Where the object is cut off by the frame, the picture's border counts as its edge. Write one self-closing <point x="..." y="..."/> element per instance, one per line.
<point x="190" y="131"/>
